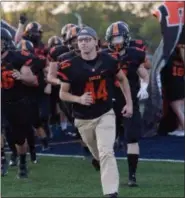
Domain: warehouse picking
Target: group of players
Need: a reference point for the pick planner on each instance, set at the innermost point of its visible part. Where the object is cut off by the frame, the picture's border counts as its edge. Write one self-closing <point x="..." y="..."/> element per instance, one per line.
<point x="97" y="88"/>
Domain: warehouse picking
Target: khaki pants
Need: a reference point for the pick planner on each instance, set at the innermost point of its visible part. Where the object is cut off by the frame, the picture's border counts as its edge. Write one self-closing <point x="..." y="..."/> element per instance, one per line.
<point x="99" y="135"/>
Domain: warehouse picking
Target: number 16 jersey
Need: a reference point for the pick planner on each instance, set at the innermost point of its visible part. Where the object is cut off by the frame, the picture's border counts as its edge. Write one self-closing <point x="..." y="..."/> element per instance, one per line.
<point x="96" y="76"/>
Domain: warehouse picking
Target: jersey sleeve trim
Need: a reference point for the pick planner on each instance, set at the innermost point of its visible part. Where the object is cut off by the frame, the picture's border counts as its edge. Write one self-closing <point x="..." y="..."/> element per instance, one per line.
<point x="63" y="77"/>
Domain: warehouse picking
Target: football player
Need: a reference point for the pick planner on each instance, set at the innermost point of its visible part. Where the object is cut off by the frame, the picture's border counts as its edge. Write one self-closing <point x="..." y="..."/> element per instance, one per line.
<point x="14" y="72"/>
<point x="131" y="60"/>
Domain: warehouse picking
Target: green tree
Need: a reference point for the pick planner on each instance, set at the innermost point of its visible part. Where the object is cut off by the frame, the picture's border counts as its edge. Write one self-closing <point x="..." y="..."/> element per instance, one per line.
<point x="98" y="15"/>
<point x="150" y="31"/>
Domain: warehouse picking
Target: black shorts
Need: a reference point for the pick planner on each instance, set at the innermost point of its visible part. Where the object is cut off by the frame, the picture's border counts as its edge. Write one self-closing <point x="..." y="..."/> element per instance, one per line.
<point x="174" y="89"/>
<point x="118" y="102"/>
<point x="173" y="79"/>
<point x="18" y="115"/>
<point x="4" y="122"/>
<point x="44" y="105"/>
<point x="133" y="126"/>
<point x="128" y="129"/>
<point x="35" y="114"/>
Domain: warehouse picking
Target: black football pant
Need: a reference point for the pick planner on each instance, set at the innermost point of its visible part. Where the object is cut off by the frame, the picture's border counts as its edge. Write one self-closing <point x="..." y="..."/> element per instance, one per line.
<point x="128" y="129"/>
<point x="40" y="112"/>
<point x="17" y="115"/>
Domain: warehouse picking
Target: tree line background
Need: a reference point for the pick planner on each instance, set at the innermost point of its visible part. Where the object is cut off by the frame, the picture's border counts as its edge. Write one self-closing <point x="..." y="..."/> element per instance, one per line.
<point x="98" y="15"/>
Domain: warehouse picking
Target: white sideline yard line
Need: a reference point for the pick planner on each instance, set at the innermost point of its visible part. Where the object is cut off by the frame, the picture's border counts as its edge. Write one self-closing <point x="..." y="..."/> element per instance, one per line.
<point x="60" y="143"/>
<point x="118" y="158"/>
<point x="80" y="156"/>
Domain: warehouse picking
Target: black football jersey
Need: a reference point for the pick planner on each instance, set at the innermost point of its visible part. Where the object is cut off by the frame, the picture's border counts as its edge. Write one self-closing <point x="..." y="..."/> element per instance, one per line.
<point x="174" y="69"/>
<point x="96" y="76"/>
<point x="56" y="51"/>
<point x="67" y="55"/>
<point x="41" y="50"/>
<point x="37" y="65"/>
<point x="11" y="89"/>
<point x="130" y="63"/>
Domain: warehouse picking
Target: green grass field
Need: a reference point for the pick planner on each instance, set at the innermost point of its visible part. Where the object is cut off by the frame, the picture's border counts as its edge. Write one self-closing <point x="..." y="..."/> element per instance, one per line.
<point x="72" y="177"/>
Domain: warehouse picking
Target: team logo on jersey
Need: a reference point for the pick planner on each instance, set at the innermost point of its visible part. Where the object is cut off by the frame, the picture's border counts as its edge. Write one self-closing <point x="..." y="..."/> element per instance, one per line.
<point x="65" y="64"/>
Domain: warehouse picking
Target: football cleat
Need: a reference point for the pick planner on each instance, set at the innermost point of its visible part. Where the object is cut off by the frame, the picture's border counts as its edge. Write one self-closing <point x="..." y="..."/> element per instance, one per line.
<point x="132" y="182"/>
<point x="96" y="164"/>
<point x="22" y="172"/>
<point x="13" y="160"/>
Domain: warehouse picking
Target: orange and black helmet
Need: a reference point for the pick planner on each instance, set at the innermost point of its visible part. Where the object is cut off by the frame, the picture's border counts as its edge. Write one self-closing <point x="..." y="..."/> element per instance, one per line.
<point x="33" y="32"/>
<point x="33" y="27"/>
<point x="71" y="37"/>
<point x="72" y="33"/>
<point x="25" y="45"/>
<point x="118" y="28"/>
<point x="54" y="41"/>
<point x="6" y="40"/>
<point x="65" y="29"/>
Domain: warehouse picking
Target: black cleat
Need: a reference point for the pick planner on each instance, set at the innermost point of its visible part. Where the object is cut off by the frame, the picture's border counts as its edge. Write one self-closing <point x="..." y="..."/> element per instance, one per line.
<point x="23" y="171"/>
<point x="132" y="182"/>
<point x="114" y="195"/>
<point x="96" y="164"/>
<point x="4" y="167"/>
<point x="33" y="157"/>
<point x="86" y="153"/>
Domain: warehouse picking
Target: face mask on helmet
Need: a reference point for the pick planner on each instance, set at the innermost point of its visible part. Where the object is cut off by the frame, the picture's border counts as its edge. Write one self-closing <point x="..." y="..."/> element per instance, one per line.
<point x="54" y="41"/>
<point x="117" y="43"/>
<point x="33" y="33"/>
<point x="71" y="38"/>
<point x="64" y="31"/>
<point x="35" y="37"/>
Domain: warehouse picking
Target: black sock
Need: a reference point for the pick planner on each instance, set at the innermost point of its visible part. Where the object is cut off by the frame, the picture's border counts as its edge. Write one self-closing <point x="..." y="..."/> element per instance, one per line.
<point x="132" y="164"/>
<point x="3" y="157"/>
<point x="31" y="140"/>
<point x="32" y="149"/>
<point x="11" y="143"/>
<point x="44" y="142"/>
<point x="23" y="159"/>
